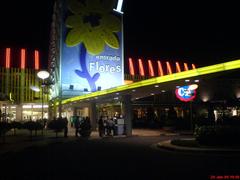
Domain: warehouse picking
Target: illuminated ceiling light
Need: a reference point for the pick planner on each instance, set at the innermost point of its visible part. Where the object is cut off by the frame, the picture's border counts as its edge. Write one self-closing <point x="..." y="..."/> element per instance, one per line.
<point x="193" y="86"/>
<point x="137" y="98"/>
<point x="43" y="74"/>
<point x="95" y="97"/>
<point x="160" y="69"/>
<point x="117" y="93"/>
<point x="131" y="66"/>
<point x="231" y="65"/>
<point x="116" y="98"/>
<point x="185" y="66"/>
<point x="187" y="80"/>
<point x="134" y="90"/>
<point x="156" y="86"/>
<point x="169" y="69"/>
<point x="150" y="68"/>
<point x="196" y="80"/>
<point x="27" y="106"/>
<point x="163" y="91"/>
<point x="152" y="94"/>
<point x="141" y="69"/>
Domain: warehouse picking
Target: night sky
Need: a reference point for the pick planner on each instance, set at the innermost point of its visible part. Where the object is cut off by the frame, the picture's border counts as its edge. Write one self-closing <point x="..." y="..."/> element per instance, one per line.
<point x="201" y="33"/>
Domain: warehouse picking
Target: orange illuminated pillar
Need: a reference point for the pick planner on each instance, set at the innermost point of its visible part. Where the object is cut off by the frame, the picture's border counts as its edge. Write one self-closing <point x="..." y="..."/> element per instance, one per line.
<point x="178" y="68"/>
<point x="36" y="60"/>
<point x="185" y="67"/>
<point x="23" y="58"/>
<point x="160" y="69"/>
<point x="169" y="69"/>
<point x="150" y="68"/>
<point x="141" y="69"/>
<point x="131" y="67"/>
<point x="193" y="66"/>
<point x="8" y="58"/>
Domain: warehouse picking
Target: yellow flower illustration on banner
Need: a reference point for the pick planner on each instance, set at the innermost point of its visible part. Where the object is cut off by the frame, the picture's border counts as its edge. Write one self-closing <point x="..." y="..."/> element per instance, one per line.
<point x="93" y="25"/>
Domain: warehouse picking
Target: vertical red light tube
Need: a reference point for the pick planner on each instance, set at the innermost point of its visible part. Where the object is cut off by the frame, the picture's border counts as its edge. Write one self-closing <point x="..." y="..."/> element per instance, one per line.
<point x="185" y="67"/>
<point x="36" y="60"/>
<point x="169" y="69"/>
<point x="178" y="68"/>
<point x="193" y="66"/>
<point x="23" y="58"/>
<point x="160" y="69"/>
<point x="141" y="69"/>
<point x="8" y="57"/>
<point x="150" y="68"/>
<point x="131" y="67"/>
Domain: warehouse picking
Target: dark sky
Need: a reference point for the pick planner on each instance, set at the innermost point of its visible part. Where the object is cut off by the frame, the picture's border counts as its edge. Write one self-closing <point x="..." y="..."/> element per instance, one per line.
<point x="200" y="32"/>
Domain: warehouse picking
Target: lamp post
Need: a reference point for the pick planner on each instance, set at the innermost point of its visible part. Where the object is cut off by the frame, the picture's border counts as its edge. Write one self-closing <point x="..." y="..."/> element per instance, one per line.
<point x="43" y="75"/>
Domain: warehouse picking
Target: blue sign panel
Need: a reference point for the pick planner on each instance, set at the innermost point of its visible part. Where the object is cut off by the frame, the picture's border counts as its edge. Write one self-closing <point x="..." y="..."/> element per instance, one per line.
<point x="92" y="47"/>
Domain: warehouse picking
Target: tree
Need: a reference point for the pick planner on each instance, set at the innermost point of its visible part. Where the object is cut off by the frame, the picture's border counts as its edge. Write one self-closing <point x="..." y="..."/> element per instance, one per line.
<point x="16" y="125"/>
<point x="31" y="126"/>
<point x="4" y="128"/>
<point x="57" y="125"/>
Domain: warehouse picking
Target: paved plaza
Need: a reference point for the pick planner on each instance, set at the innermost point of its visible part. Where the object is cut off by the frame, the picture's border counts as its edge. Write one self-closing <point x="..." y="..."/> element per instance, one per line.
<point x="135" y="157"/>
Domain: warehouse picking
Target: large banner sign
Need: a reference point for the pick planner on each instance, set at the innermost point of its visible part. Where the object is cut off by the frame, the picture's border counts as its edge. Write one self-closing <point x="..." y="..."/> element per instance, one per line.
<point x="92" y="47"/>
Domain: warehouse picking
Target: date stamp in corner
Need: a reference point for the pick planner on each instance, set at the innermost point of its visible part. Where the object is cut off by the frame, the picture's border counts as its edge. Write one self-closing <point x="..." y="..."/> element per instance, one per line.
<point x="223" y="177"/>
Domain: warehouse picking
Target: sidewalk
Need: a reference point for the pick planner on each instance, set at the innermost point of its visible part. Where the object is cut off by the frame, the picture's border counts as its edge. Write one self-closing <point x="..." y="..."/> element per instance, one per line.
<point x="167" y="145"/>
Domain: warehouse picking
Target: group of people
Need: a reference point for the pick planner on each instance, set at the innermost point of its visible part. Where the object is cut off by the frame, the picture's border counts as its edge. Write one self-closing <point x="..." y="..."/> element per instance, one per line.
<point x="81" y="123"/>
<point x="106" y="126"/>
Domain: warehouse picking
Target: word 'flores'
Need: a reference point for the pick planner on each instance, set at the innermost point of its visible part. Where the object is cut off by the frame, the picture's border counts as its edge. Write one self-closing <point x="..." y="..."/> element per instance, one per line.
<point x="96" y="67"/>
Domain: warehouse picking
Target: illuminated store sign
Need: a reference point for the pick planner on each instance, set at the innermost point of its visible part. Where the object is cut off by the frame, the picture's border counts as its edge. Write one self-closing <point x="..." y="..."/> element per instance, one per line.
<point x="119" y="6"/>
<point x="92" y="47"/>
<point x="186" y="93"/>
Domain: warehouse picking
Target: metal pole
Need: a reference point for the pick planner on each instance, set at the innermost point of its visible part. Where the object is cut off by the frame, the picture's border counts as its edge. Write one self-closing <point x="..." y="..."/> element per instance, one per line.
<point x="42" y="99"/>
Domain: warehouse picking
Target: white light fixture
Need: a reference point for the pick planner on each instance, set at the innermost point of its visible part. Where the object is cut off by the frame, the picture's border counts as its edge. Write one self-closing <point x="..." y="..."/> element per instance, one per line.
<point x="43" y="74"/>
<point x="187" y="80"/>
<point x="156" y="86"/>
<point x="163" y="91"/>
<point x="117" y="93"/>
<point x="196" y="80"/>
<point x="133" y="90"/>
<point x="152" y="94"/>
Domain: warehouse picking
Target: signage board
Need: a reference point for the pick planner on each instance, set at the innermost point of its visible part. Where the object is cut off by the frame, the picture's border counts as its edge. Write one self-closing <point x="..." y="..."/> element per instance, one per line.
<point x="186" y="93"/>
<point x="91" y="47"/>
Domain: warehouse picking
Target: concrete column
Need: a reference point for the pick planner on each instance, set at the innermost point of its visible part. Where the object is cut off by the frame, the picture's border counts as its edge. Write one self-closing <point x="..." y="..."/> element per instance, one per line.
<point x="93" y="114"/>
<point x="19" y="112"/>
<point x="127" y="112"/>
<point x="74" y="109"/>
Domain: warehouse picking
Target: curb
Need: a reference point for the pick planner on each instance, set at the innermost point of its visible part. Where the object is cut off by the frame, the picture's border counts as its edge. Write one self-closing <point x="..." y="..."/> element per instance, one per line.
<point x="167" y="145"/>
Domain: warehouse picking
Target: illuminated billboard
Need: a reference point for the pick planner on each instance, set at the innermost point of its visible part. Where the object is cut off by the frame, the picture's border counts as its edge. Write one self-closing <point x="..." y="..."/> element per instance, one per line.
<point x="92" y="47"/>
<point x="186" y="93"/>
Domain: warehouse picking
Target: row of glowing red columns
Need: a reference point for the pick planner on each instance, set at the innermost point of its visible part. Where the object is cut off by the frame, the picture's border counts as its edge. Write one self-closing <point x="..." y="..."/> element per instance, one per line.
<point x="159" y="67"/>
<point x="23" y="59"/>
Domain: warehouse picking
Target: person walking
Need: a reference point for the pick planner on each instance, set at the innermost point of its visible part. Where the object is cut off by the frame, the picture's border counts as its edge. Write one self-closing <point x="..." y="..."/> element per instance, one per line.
<point x="101" y="126"/>
<point x="65" y="127"/>
<point x="76" y="125"/>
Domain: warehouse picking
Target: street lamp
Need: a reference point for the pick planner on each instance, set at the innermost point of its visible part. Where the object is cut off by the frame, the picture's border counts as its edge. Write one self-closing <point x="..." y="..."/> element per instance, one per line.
<point x="43" y="75"/>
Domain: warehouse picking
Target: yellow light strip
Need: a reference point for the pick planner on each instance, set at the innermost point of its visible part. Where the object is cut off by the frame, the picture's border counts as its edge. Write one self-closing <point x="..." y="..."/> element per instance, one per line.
<point x="172" y="77"/>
